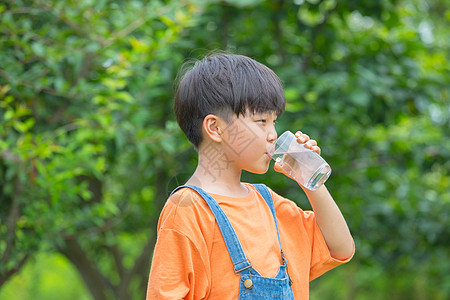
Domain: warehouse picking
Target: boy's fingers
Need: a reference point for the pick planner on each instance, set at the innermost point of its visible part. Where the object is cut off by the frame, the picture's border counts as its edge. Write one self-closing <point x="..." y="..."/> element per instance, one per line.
<point x="305" y="139"/>
<point x="301" y="137"/>
<point x="311" y="143"/>
<point x="316" y="149"/>
<point x="277" y="167"/>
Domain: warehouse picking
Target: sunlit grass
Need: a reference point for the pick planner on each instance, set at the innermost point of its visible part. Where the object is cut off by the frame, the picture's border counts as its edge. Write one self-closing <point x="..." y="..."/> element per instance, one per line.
<point x="49" y="276"/>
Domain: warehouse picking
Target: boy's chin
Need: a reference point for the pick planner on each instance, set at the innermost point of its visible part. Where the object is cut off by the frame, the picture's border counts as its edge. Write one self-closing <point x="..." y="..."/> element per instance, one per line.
<point x="259" y="171"/>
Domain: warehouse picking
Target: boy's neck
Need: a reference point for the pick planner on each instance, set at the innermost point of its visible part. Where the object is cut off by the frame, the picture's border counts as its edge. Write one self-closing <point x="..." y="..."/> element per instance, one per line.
<point x="216" y="175"/>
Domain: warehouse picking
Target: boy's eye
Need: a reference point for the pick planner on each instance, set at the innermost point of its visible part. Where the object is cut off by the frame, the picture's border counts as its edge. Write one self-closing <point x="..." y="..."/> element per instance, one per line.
<point x="264" y="121"/>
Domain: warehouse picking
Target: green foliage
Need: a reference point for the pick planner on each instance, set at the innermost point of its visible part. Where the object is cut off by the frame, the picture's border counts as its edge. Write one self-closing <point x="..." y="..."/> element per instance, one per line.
<point x="89" y="148"/>
<point x="86" y="99"/>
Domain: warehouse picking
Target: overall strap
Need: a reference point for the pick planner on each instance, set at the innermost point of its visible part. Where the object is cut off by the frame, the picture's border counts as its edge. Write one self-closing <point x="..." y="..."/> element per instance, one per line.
<point x="237" y="255"/>
<point x="265" y="193"/>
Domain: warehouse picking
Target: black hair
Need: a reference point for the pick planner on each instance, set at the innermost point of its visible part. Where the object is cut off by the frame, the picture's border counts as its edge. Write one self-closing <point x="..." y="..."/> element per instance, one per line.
<point x="223" y="84"/>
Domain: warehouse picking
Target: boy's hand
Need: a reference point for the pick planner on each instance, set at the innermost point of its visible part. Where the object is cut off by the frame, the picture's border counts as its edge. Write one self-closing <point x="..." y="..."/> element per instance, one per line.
<point x="304" y="139"/>
<point x="301" y="139"/>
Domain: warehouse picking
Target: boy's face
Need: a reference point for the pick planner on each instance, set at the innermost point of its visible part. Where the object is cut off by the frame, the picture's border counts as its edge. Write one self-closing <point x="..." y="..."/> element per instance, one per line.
<point x="247" y="139"/>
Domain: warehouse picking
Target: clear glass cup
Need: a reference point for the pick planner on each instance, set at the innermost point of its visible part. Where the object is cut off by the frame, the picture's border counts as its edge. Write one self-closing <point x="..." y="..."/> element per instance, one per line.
<point x="302" y="164"/>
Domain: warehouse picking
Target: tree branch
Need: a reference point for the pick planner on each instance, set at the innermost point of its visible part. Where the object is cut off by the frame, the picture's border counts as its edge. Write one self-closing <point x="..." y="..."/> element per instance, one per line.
<point x="118" y="258"/>
<point x="8" y="274"/>
<point x="97" y="284"/>
<point x="13" y="216"/>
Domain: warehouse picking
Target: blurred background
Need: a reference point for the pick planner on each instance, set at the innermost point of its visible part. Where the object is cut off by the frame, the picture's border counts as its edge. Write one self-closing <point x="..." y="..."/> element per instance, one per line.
<point x="90" y="149"/>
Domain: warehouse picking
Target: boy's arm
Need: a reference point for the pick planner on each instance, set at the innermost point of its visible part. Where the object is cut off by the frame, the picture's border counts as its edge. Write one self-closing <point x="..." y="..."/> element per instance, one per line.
<point x="331" y="223"/>
<point x="328" y="216"/>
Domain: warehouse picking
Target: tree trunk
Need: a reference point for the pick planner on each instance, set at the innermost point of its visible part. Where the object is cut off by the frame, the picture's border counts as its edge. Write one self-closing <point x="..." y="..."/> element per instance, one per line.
<point x="97" y="284"/>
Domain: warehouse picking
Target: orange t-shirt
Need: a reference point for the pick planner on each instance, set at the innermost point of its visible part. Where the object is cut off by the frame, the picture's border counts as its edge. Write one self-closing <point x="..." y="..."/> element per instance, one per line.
<point x="191" y="260"/>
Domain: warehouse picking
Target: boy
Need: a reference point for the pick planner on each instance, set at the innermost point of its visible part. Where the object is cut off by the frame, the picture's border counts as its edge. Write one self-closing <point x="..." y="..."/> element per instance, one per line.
<point x="219" y="238"/>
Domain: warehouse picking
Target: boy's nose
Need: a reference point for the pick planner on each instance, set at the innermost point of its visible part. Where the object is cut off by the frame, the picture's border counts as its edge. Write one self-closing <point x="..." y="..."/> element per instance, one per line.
<point x="272" y="136"/>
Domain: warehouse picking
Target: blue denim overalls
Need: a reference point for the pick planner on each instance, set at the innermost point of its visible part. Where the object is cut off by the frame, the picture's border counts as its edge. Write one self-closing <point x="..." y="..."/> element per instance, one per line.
<point x="252" y="284"/>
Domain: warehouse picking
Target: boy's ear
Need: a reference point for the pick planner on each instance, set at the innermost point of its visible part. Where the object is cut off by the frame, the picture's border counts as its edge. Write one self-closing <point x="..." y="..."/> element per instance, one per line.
<point x="213" y="127"/>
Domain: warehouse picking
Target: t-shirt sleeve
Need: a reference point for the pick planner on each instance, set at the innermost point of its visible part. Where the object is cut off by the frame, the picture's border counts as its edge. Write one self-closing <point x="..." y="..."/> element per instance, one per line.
<point x="303" y="223"/>
<point x="178" y="270"/>
<point x="180" y="264"/>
